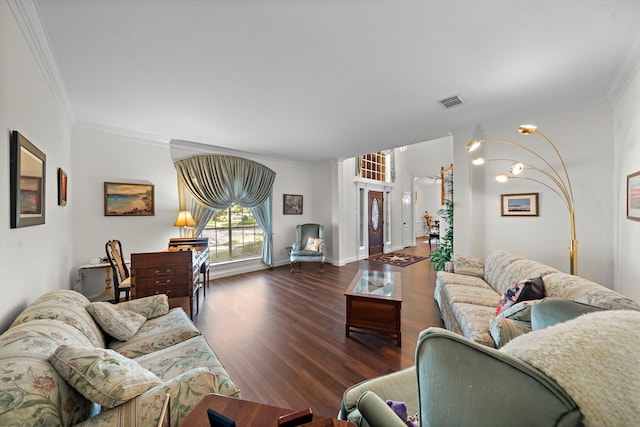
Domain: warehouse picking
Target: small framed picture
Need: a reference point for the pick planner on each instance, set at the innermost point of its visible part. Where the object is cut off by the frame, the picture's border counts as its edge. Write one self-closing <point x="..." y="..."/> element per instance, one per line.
<point x="292" y="204"/>
<point x="633" y="196"/>
<point x="525" y="204"/>
<point x="62" y="187"/>
<point x="123" y="199"/>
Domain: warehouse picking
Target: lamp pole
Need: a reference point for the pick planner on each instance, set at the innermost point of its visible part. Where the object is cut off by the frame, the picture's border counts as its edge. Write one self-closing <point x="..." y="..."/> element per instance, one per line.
<point x="563" y="183"/>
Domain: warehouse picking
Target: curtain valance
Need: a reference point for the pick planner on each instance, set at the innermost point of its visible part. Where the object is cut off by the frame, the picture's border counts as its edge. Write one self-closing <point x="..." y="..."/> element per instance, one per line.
<point x="221" y="181"/>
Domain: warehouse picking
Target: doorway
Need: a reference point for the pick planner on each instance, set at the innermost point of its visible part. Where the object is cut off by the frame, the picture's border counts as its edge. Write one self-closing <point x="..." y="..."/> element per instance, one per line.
<point x="375" y="226"/>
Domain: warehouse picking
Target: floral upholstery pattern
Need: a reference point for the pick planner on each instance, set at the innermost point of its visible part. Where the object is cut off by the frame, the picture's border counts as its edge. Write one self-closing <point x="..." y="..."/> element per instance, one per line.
<point x="587" y="292"/>
<point x="187" y="355"/>
<point x="471" y="266"/>
<point x="520" y="270"/>
<point x="67" y="306"/>
<point x="157" y="334"/>
<point x="186" y="390"/>
<point x="474" y="322"/>
<point x="503" y="329"/>
<point x="102" y="375"/>
<point x="468" y="303"/>
<point x="496" y="264"/>
<point x="32" y="393"/>
<point x="149" y="307"/>
<point x="471" y="295"/>
<point x="118" y="322"/>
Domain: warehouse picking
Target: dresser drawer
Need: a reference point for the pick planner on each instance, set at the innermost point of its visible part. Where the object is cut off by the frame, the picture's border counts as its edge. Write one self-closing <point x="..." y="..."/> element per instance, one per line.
<point x="173" y="288"/>
<point x="163" y="272"/>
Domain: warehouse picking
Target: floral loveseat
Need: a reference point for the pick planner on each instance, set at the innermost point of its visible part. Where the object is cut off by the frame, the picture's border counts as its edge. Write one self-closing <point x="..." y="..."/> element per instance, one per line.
<point x="468" y="296"/>
<point x="60" y="367"/>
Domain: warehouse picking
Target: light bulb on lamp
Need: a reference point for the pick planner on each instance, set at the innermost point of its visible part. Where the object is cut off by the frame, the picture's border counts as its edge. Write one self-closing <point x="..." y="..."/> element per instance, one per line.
<point x="184" y="220"/>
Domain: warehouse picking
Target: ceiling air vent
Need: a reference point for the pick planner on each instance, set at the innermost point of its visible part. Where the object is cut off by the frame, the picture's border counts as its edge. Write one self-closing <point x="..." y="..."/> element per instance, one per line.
<point x="452" y="101"/>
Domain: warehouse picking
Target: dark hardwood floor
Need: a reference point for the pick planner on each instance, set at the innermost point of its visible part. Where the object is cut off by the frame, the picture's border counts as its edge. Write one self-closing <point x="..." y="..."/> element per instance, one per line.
<point x="282" y="338"/>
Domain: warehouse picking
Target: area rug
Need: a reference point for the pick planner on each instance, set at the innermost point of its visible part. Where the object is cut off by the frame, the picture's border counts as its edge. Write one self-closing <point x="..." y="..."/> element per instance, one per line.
<point x="396" y="258"/>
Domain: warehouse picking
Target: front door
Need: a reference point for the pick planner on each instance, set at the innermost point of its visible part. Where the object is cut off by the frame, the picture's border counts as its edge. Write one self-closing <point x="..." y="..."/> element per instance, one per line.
<point x="376" y="244"/>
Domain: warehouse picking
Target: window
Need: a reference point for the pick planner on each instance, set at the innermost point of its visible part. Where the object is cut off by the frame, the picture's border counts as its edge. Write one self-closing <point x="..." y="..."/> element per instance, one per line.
<point x="374" y="166"/>
<point x="233" y="235"/>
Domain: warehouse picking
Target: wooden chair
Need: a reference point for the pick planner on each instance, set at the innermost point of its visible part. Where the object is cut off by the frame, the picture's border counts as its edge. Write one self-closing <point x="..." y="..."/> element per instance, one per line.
<point x="434" y="233"/>
<point x="121" y="279"/>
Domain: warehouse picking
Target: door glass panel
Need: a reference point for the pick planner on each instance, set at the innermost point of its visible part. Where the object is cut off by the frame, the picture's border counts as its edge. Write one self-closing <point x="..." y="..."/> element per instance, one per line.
<point x="375" y="214"/>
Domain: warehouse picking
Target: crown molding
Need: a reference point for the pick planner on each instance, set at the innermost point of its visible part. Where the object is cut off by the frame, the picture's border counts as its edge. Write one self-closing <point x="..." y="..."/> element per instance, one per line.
<point x="147" y="138"/>
<point x="28" y="18"/>
<point x="626" y="73"/>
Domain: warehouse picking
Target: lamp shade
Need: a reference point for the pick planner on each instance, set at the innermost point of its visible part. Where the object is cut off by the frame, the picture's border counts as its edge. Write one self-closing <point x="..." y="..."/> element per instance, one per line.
<point x="184" y="219"/>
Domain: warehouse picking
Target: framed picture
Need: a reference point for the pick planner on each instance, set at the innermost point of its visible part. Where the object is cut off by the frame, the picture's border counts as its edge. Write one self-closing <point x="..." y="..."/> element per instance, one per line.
<point x="27" y="167"/>
<point x="525" y="204"/>
<point x="62" y="187"/>
<point x="291" y="204"/>
<point x="633" y="196"/>
<point x="122" y="199"/>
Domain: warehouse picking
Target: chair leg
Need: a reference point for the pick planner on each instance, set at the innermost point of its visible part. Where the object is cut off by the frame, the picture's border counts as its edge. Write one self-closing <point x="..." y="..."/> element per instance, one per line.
<point x="291" y="263"/>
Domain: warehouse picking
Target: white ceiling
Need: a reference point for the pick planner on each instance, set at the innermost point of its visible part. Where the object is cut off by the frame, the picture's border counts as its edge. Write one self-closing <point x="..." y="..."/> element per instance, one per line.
<point x="311" y="80"/>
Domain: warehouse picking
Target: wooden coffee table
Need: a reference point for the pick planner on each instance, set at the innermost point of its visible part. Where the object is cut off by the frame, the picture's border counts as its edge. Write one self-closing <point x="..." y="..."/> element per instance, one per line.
<point x="247" y="414"/>
<point x="374" y="303"/>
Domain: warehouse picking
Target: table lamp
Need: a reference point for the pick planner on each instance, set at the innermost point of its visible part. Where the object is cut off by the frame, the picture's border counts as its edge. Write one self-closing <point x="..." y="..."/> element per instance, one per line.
<point x="184" y="220"/>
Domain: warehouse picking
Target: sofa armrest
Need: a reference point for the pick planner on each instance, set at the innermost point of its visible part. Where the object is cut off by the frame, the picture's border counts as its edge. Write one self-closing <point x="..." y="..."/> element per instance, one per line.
<point x="464" y="383"/>
<point x="399" y="386"/>
<point x="149" y="307"/>
<point x="186" y="390"/>
<point x="376" y="412"/>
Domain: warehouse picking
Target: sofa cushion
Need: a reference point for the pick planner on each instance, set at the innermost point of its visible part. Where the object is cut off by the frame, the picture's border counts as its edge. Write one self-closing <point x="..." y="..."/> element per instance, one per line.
<point x="595" y="359"/>
<point x="116" y="321"/>
<point x="495" y="266"/>
<point x="67" y="306"/>
<point x="520" y="311"/>
<point x="186" y="392"/>
<point x="470" y="295"/>
<point x="313" y="244"/>
<point x="101" y="375"/>
<point x="519" y="270"/>
<point x="474" y="321"/>
<point x="157" y="334"/>
<point x="563" y="285"/>
<point x="150" y="307"/>
<point x="187" y="355"/>
<point x="31" y="390"/>
<point x="467" y="265"/>
<point x="503" y="330"/>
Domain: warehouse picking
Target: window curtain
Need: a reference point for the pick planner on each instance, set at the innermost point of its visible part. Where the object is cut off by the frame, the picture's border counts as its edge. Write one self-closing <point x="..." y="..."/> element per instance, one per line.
<point x="217" y="182"/>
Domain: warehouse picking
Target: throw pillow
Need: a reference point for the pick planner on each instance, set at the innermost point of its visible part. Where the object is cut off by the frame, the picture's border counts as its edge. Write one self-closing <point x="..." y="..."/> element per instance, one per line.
<point x="101" y="375"/>
<point x="524" y="290"/>
<point x="470" y="266"/>
<point x="313" y="244"/>
<point x="120" y="323"/>
<point x="400" y="408"/>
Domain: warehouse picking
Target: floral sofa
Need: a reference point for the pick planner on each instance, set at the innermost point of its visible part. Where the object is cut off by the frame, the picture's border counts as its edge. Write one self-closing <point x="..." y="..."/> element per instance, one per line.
<point x="65" y="361"/>
<point x="468" y="295"/>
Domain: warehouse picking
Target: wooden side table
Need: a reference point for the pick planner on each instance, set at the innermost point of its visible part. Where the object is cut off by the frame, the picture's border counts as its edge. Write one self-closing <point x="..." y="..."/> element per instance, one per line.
<point x="247" y="414"/>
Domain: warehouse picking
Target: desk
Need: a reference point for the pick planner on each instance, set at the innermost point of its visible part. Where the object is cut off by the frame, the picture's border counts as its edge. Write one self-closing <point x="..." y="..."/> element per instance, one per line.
<point x="81" y="274"/>
<point x="247" y="414"/>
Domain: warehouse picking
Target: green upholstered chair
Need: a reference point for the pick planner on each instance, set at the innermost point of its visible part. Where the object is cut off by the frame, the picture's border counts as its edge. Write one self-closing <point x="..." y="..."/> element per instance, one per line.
<point x="309" y="245"/>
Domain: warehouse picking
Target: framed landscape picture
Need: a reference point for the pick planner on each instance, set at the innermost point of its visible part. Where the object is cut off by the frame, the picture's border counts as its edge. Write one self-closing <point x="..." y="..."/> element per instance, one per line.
<point x="633" y="196"/>
<point x="27" y="182"/>
<point x="292" y="204"/>
<point x="525" y="204"/>
<point x="122" y="199"/>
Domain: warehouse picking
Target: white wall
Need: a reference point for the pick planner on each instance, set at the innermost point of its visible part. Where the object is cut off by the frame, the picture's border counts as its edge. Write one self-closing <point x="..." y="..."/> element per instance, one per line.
<point x="583" y="136"/>
<point x="37" y="259"/>
<point x="626" y="232"/>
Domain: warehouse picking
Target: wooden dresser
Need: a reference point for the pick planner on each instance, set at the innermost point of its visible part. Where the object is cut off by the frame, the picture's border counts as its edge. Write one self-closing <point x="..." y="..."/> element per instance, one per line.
<point x="175" y="273"/>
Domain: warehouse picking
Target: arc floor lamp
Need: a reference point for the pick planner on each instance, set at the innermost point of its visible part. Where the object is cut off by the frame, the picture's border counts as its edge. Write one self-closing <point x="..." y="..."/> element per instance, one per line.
<point x="558" y="183"/>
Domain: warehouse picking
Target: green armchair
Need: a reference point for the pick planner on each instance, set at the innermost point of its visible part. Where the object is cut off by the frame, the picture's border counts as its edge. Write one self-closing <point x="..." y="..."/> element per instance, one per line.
<point x="309" y="245"/>
<point x="578" y="367"/>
